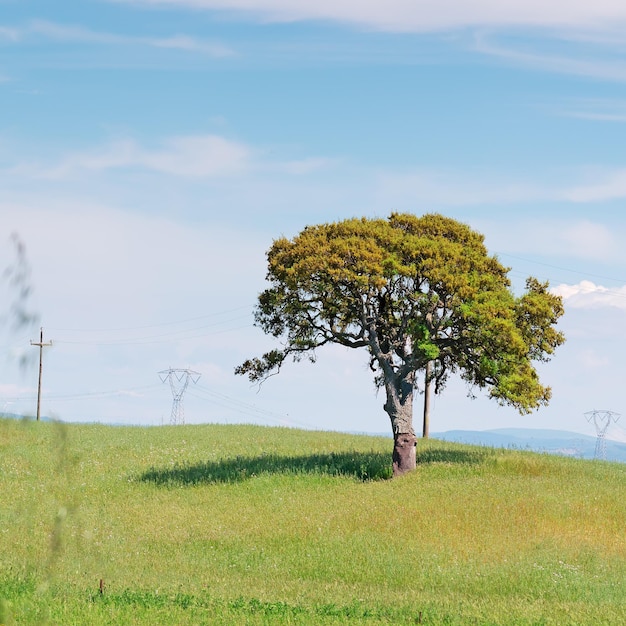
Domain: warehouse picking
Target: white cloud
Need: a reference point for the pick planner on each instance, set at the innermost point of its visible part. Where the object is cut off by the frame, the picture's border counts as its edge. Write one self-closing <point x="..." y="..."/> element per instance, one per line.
<point x="190" y="156"/>
<point x="428" y="187"/>
<point x="95" y="265"/>
<point x="6" y="391"/>
<point x="590" y="24"/>
<point x="69" y="33"/>
<point x="597" y="117"/>
<point x="594" y="109"/>
<point x="194" y="156"/>
<point x="9" y="34"/>
<point x="590" y="240"/>
<point x="421" y="15"/>
<point x="565" y="237"/>
<point x="192" y="44"/>
<point x="600" y="68"/>
<point x="127" y="295"/>
<point x="197" y="157"/>
<point x="304" y="166"/>
<point x="593" y="25"/>
<point x="588" y="295"/>
<point x="450" y="188"/>
<point x="611" y="185"/>
<point x="592" y="360"/>
<point x="64" y="32"/>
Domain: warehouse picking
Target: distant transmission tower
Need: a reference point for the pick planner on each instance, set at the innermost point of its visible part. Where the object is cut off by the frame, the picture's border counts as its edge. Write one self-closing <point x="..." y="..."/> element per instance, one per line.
<point x="602" y="421"/>
<point x="179" y="380"/>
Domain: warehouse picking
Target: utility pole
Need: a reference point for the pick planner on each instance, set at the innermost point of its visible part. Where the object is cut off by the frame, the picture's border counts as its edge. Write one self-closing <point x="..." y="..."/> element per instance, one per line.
<point x="41" y="345"/>
<point x="428" y="377"/>
<point x="427" y="381"/>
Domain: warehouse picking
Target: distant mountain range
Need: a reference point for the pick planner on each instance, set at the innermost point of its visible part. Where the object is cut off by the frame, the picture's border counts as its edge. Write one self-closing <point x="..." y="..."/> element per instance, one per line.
<point x="537" y="440"/>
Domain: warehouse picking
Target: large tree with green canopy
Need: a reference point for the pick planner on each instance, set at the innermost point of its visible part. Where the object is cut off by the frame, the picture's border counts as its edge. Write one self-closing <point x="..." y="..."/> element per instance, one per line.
<point x="418" y="293"/>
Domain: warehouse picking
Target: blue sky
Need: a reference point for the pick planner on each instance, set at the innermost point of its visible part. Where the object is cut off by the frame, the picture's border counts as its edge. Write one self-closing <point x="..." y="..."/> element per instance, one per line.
<point x="150" y="151"/>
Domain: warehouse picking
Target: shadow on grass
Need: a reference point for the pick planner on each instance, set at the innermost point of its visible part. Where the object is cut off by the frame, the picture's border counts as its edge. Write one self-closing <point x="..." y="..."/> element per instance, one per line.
<point x="362" y="466"/>
<point x="452" y="456"/>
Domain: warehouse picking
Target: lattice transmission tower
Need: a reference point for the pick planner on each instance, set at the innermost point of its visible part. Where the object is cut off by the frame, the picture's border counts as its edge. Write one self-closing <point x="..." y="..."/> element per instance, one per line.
<point x="179" y="381"/>
<point x="602" y="420"/>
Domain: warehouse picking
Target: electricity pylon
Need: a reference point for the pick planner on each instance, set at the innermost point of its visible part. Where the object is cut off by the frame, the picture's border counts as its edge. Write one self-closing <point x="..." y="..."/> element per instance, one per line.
<point x="179" y="380"/>
<point x="602" y="421"/>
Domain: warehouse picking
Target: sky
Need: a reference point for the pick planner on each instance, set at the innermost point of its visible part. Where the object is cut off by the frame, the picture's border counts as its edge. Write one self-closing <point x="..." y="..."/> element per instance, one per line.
<point x="152" y="150"/>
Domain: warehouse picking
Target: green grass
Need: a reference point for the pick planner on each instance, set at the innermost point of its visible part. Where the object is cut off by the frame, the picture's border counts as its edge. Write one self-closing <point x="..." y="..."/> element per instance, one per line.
<point x="253" y="525"/>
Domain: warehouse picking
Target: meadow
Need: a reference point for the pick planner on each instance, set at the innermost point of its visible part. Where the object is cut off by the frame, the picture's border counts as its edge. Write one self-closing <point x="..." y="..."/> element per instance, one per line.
<point x="215" y="524"/>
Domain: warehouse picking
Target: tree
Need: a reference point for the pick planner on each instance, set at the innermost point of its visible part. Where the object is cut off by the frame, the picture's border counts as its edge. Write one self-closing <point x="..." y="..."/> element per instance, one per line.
<point x="16" y="313"/>
<point x="411" y="291"/>
<point x="18" y="276"/>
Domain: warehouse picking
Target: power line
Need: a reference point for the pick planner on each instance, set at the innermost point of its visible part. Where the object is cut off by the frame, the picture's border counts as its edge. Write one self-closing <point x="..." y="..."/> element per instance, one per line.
<point x="129" y="328"/>
<point x="563" y="269"/>
<point x="145" y="342"/>
<point x="245" y="408"/>
<point x="162" y="338"/>
<point x="100" y="394"/>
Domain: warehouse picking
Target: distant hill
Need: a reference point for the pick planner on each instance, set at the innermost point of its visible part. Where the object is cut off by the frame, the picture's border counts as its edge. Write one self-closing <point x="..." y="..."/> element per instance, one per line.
<point x="560" y="442"/>
<point x="16" y="416"/>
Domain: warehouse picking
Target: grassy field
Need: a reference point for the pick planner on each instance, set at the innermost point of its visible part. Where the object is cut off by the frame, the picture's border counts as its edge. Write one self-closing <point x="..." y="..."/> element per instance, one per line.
<point x="252" y="525"/>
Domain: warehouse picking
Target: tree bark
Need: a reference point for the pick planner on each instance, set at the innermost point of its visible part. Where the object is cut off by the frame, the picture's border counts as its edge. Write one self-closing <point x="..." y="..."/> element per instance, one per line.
<point x="399" y="407"/>
<point x="404" y="453"/>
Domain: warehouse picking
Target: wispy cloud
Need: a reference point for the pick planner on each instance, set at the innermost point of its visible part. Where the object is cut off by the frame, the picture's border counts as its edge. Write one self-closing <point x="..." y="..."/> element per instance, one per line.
<point x="191" y="44"/>
<point x="607" y="186"/>
<point x="593" y="28"/>
<point x="596" y="28"/>
<point x="8" y="392"/>
<point x="304" y="166"/>
<point x="598" y="117"/>
<point x="596" y="64"/>
<point x="588" y="295"/>
<point x="9" y="34"/>
<point x="420" y="15"/>
<point x="450" y="188"/>
<point x="594" y="109"/>
<point x="69" y="33"/>
<point x="66" y="33"/>
<point x="189" y="156"/>
<point x="549" y="236"/>
<point x="591" y="360"/>
<point x="589" y="239"/>
<point x="440" y="188"/>
<point x="199" y="156"/>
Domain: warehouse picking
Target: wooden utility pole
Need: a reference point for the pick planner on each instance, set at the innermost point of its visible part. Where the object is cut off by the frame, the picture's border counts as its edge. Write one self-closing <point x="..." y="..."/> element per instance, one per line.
<point x="427" y="380"/>
<point x="41" y="345"/>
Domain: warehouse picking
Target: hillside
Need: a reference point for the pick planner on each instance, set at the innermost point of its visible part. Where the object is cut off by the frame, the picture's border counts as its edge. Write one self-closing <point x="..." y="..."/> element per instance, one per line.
<point x="538" y="440"/>
<point x="251" y="525"/>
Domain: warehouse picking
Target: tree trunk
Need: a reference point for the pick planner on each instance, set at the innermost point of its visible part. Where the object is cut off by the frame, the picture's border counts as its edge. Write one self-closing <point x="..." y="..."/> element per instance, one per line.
<point x="404" y="457"/>
<point x="399" y="407"/>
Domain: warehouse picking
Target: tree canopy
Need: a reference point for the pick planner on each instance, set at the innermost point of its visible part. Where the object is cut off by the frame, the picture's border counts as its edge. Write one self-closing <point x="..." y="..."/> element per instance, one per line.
<point x="411" y="291"/>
